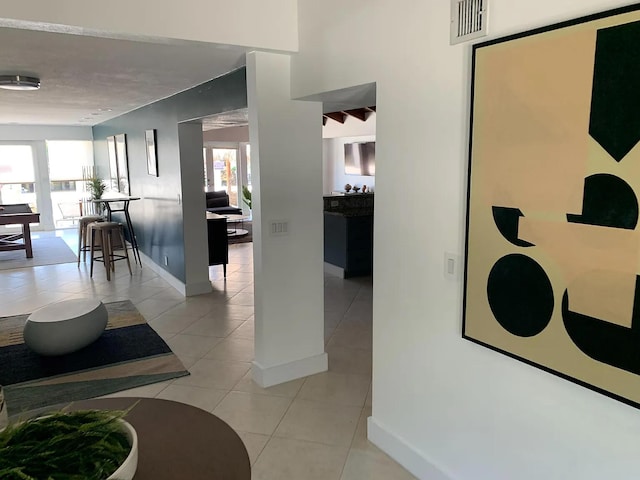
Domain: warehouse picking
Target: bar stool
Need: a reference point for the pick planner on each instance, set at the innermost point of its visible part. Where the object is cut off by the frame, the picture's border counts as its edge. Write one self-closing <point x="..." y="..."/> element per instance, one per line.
<point x="107" y="231"/>
<point x="83" y="234"/>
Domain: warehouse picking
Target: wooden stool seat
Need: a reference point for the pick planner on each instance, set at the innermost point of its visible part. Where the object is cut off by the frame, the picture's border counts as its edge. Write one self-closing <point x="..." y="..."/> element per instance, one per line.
<point x="111" y="237"/>
<point x="83" y="234"/>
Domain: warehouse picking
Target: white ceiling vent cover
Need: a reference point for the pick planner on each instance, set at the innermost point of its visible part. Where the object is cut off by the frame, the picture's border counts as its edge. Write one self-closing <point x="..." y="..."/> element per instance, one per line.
<point x="468" y="20"/>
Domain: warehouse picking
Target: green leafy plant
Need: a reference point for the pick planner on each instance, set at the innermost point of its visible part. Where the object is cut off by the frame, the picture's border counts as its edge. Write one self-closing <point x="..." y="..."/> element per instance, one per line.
<point x="96" y="187"/>
<point x="87" y="445"/>
<point x="246" y="196"/>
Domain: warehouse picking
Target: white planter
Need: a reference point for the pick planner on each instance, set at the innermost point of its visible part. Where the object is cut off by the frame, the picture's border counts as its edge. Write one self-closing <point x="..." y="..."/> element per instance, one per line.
<point x="128" y="468"/>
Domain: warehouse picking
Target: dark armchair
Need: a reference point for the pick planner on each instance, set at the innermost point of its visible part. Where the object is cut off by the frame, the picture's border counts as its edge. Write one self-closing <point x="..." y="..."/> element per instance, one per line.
<point x="218" y="202"/>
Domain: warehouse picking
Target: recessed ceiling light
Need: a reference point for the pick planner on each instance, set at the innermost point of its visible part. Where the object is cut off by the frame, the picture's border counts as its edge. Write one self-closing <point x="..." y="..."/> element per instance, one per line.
<point x="19" y="82"/>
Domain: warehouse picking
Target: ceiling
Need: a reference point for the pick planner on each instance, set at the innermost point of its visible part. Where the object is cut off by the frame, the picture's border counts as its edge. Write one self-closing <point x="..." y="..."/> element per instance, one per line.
<point x="86" y="80"/>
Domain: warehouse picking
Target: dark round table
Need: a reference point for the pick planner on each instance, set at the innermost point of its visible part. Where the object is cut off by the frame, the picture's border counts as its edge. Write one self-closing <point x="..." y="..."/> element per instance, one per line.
<point x="178" y="441"/>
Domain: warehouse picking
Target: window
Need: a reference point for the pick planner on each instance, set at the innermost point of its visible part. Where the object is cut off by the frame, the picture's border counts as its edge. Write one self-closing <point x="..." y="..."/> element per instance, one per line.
<point x="17" y="175"/>
<point x="68" y="163"/>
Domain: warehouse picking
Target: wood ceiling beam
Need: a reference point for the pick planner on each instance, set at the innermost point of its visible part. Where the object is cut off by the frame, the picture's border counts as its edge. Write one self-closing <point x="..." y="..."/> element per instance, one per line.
<point x="339" y="117"/>
<point x="359" y="113"/>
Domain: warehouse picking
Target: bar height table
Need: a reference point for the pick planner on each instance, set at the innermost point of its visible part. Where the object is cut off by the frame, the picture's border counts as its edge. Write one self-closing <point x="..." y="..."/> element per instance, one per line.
<point x="125" y="209"/>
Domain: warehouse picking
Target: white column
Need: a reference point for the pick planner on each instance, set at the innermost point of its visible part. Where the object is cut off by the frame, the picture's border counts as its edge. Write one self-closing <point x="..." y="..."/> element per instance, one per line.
<point x="196" y="271"/>
<point x="286" y="158"/>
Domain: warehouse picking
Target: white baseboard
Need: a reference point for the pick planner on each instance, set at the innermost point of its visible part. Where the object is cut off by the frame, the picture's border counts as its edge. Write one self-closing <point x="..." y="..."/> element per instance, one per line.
<point x="270" y="376"/>
<point x="186" y="290"/>
<point x="403" y="453"/>
<point x="199" y="288"/>
<point x="333" y="270"/>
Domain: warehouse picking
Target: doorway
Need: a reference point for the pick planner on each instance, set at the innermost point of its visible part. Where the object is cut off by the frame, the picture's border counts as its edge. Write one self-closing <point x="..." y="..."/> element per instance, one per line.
<point x="227" y="166"/>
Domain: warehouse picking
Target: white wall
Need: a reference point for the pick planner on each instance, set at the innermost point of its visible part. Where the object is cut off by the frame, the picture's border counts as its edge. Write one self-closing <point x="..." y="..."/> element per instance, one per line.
<point x="444" y="407"/>
<point x="230" y="134"/>
<point x="287" y="187"/>
<point x="251" y="23"/>
<point x="40" y="132"/>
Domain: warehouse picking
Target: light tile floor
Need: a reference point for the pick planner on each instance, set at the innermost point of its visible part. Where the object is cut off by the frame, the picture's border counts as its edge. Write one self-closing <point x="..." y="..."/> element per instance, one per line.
<point x="313" y="428"/>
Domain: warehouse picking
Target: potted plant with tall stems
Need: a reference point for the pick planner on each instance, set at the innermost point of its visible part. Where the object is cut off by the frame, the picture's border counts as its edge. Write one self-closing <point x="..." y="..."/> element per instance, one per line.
<point x="96" y="187"/>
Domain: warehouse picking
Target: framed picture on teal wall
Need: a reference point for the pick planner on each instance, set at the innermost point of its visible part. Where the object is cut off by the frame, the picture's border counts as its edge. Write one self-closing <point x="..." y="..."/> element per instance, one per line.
<point x="152" y="157"/>
<point x="118" y="164"/>
<point x="123" y="164"/>
<point x="113" y="164"/>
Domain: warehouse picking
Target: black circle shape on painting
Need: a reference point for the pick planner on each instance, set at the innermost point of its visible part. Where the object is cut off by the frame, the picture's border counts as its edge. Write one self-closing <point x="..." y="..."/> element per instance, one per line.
<point x="520" y="295"/>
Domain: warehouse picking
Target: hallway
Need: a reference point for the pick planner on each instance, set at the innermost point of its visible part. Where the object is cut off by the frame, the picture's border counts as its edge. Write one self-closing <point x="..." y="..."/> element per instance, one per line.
<point x="312" y="428"/>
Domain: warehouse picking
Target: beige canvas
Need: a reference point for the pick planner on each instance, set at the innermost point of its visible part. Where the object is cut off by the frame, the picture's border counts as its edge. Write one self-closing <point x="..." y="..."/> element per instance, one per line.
<point x="531" y="150"/>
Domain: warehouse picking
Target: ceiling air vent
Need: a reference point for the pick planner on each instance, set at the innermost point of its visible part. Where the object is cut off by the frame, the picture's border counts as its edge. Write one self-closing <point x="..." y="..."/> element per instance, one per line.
<point x="468" y="20"/>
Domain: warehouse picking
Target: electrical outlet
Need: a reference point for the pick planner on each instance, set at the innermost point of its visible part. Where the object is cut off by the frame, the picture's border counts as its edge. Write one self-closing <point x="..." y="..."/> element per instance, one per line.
<point x="166" y="261"/>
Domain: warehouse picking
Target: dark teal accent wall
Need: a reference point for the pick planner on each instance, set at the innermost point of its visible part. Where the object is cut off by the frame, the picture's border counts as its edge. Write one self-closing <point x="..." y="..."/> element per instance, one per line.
<point x="158" y="217"/>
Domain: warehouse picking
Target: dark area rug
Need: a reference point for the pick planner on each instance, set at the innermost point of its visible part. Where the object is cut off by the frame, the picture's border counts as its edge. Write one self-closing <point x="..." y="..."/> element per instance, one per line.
<point x="128" y="354"/>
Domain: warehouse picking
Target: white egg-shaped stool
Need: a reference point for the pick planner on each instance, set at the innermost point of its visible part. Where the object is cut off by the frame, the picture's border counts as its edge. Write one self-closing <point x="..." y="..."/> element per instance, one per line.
<point x="66" y="326"/>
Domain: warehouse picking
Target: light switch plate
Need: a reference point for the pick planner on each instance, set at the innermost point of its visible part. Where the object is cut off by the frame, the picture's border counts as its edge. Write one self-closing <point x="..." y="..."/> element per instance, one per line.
<point x="452" y="265"/>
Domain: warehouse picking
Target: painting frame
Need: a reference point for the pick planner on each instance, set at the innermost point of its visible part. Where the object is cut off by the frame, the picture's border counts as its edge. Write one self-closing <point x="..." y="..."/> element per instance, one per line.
<point x="550" y="265"/>
<point x="123" y="164"/>
<point x="113" y="163"/>
<point x="152" y="152"/>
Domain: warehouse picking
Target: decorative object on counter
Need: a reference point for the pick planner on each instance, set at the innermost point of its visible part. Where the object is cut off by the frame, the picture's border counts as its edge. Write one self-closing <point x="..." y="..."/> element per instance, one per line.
<point x="364" y="189"/>
<point x="356" y="189"/>
<point x="347" y="188"/>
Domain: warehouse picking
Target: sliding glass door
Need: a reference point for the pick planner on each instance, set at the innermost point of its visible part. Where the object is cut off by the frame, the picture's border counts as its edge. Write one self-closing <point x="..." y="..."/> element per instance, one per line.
<point x="227" y="166"/>
<point x="225" y="172"/>
<point x="47" y="175"/>
<point x="18" y="177"/>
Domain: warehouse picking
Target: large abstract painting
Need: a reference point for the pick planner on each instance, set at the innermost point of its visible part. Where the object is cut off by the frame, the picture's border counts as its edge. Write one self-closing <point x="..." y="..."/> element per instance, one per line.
<point x="553" y="244"/>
